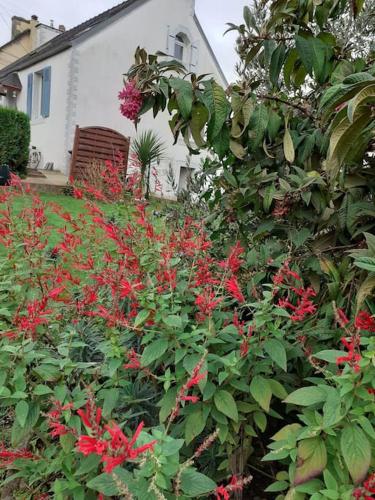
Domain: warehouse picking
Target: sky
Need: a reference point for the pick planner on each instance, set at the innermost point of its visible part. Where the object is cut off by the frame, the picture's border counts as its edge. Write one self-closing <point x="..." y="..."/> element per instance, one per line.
<point x="213" y="14"/>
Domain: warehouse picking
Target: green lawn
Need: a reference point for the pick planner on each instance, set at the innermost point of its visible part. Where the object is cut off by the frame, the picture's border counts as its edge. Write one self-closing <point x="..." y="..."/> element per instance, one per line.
<point x="75" y="207"/>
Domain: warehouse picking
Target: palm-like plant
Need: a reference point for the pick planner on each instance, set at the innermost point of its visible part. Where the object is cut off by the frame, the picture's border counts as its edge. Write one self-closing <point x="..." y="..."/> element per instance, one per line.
<point x="149" y="149"/>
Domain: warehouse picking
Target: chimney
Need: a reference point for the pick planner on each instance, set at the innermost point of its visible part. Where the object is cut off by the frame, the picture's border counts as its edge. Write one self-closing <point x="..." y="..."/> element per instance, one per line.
<point x="51" y="23"/>
<point x="34" y="17"/>
<point x="61" y="28"/>
<point x="19" y="25"/>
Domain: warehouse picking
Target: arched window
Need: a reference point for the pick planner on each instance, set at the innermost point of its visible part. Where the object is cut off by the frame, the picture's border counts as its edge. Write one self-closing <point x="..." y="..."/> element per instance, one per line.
<point x="181" y="46"/>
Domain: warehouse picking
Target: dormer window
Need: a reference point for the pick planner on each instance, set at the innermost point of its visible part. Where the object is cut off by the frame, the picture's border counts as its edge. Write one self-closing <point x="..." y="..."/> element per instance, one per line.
<point x="181" y="47"/>
<point x="181" y="44"/>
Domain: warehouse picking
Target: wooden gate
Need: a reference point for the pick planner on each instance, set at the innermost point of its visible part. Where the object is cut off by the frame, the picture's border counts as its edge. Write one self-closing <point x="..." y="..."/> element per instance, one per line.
<point x="96" y="144"/>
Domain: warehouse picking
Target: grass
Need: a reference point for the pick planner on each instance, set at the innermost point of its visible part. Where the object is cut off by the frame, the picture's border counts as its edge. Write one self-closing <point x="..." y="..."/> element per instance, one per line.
<point x="75" y="207"/>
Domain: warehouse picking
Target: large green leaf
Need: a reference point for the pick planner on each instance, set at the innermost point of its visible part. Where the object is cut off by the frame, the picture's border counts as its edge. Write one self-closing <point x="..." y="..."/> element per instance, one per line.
<point x="219" y="107"/>
<point x="312" y="459"/>
<point x="276" y="350"/>
<point x="22" y="410"/>
<point x="365" y="96"/>
<point x="184" y="95"/>
<point x="194" y="483"/>
<point x="345" y="138"/>
<point x="195" y="424"/>
<point x="154" y="351"/>
<point x="306" y="396"/>
<point x="356" y="450"/>
<point x="289" y="152"/>
<point x="261" y="391"/>
<point x="258" y="125"/>
<point x="226" y="404"/>
<point x="199" y="118"/>
<point x="277" y="61"/>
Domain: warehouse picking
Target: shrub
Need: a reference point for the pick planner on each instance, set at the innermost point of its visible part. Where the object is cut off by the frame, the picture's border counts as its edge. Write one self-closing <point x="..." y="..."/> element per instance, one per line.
<point x="127" y="328"/>
<point x="14" y="138"/>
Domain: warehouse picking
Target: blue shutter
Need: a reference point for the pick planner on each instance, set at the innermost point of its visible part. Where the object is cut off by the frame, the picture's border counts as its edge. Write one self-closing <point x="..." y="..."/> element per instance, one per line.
<point x="29" y="105"/>
<point x="46" y="92"/>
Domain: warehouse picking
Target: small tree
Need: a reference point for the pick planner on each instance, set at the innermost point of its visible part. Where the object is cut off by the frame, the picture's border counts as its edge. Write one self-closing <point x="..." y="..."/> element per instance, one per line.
<point x="149" y="149"/>
<point x="14" y="138"/>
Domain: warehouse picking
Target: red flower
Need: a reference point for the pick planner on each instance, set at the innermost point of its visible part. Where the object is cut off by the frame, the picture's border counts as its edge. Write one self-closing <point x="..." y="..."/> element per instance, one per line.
<point x="89" y="445"/>
<point x="191" y="399"/>
<point x="352" y="358"/>
<point x="233" y="288"/>
<point x="364" y="321"/>
<point x="77" y="193"/>
<point x="121" y="449"/>
<point x="7" y="457"/>
<point x="342" y="319"/>
<point x="134" y="363"/>
<point x="233" y="263"/>
<point x="221" y="493"/>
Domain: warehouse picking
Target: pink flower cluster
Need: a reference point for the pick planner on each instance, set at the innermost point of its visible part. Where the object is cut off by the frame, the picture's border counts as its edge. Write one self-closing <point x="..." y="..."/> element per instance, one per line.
<point x="132" y="100"/>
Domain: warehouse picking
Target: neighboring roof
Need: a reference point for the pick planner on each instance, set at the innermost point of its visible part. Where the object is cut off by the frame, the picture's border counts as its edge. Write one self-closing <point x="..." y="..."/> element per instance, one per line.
<point x="16" y="38"/>
<point x="203" y="34"/>
<point x="66" y="39"/>
<point x="12" y="80"/>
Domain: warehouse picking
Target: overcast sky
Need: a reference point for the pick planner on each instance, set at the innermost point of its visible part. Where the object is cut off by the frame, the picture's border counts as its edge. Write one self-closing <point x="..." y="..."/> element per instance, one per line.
<point x="213" y="14"/>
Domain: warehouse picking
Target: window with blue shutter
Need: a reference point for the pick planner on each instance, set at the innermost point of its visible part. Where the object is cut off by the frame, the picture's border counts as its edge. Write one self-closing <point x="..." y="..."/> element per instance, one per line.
<point x="46" y="92"/>
<point x="29" y="105"/>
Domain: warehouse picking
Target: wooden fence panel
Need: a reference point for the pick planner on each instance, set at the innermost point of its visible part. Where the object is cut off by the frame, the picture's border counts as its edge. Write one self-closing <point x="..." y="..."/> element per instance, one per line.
<point x="96" y="144"/>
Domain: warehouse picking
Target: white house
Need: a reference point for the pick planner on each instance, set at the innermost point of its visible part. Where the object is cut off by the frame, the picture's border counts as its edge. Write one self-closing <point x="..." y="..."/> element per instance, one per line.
<point x="74" y="79"/>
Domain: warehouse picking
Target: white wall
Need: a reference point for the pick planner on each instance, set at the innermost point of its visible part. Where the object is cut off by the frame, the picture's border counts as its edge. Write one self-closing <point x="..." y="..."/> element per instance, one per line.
<point x="105" y="56"/>
<point x="48" y="134"/>
<point x="87" y="78"/>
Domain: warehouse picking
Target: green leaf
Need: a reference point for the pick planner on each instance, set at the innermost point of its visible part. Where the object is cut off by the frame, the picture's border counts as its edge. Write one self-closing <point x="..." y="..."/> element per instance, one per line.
<point x="172" y="446"/>
<point x="154" y="351"/>
<point x="356" y="450"/>
<point x="199" y="118"/>
<point x="258" y="125"/>
<point x="104" y="484"/>
<point x="276" y="350"/>
<point x="42" y="390"/>
<point x="195" y="424"/>
<point x="141" y="318"/>
<point x="345" y="138"/>
<point x="194" y="483"/>
<point x="88" y="464"/>
<point x="261" y="391"/>
<point x="237" y="149"/>
<point x="184" y="95"/>
<point x="67" y="442"/>
<point x="22" y="410"/>
<point x="329" y="355"/>
<point x="306" y="396"/>
<point x="110" y="400"/>
<point x="312" y="459"/>
<point x="289" y="152"/>
<point x="365" y="96"/>
<point x="277" y="61"/>
<point x="173" y="321"/>
<point x="226" y="404"/>
<point x="219" y="107"/>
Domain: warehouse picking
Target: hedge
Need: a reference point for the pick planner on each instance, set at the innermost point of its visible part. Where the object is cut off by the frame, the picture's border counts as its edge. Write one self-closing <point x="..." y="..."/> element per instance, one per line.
<point x="14" y="138"/>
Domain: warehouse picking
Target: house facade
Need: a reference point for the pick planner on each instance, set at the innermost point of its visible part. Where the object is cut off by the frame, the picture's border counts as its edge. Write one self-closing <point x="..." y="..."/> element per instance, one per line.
<point x="75" y="78"/>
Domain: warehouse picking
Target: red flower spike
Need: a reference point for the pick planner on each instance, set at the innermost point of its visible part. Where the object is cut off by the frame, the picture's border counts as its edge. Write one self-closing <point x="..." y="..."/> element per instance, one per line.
<point x="233" y="288"/>
<point x="364" y="321"/>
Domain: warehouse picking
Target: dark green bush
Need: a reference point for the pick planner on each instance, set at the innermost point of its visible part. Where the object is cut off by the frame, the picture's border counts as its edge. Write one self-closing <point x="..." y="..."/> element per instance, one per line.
<point x="14" y="138"/>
